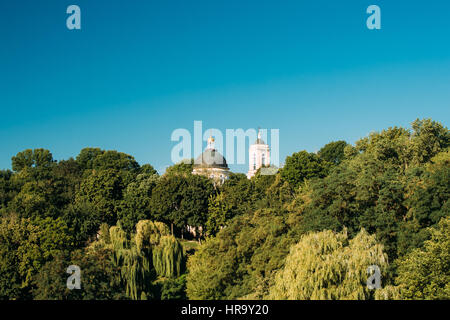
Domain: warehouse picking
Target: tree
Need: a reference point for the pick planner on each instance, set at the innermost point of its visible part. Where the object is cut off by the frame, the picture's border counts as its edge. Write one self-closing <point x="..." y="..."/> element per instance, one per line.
<point x="24" y="248"/>
<point x="182" y="200"/>
<point x="167" y="252"/>
<point x="378" y="188"/>
<point x="183" y="167"/>
<point x="219" y="212"/>
<point x="44" y="197"/>
<point x="240" y="193"/>
<point x="329" y="266"/>
<point x="303" y="165"/>
<point x="166" y="200"/>
<point x="333" y="152"/>
<point x="118" y="161"/>
<point x="20" y="256"/>
<point x="103" y="190"/>
<point x="99" y="277"/>
<point x="241" y="258"/>
<point x="86" y="157"/>
<point x="7" y="188"/>
<point x="429" y="138"/>
<point x="148" y="169"/>
<point x="152" y="253"/>
<point x="136" y="201"/>
<point x="427" y="202"/>
<point x="54" y="236"/>
<point x="174" y="289"/>
<point x="168" y="259"/>
<point x="83" y="219"/>
<point x="207" y="275"/>
<point x="195" y="201"/>
<point x="424" y="273"/>
<point x="37" y="158"/>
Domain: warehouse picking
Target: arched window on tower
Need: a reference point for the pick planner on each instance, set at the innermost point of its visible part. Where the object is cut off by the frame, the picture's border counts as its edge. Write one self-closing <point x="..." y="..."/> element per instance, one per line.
<point x="254" y="161"/>
<point x="263" y="160"/>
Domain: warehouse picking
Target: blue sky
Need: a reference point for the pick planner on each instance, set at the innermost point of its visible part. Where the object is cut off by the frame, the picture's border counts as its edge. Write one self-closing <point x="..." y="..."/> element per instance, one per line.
<point x="137" y="70"/>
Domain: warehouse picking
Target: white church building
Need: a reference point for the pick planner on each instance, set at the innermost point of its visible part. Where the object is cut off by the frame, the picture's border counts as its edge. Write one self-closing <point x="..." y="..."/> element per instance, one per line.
<point x="258" y="155"/>
<point x="212" y="164"/>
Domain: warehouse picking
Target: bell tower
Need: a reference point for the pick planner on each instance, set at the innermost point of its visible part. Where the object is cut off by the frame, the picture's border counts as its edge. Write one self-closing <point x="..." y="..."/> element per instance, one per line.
<point x="258" y="155"/>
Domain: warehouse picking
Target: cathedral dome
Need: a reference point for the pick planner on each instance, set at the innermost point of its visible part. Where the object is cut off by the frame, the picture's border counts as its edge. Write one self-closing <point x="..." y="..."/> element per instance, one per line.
<point x="211" y="158"/>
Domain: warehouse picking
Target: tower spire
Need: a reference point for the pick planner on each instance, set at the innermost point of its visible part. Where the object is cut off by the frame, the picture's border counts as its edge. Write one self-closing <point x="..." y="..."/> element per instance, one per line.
<point x="210" y="141"/>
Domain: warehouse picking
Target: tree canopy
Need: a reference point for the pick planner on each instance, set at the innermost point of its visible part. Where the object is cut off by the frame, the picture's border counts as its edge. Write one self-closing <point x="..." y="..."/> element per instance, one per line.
<point x="309" y="231"/>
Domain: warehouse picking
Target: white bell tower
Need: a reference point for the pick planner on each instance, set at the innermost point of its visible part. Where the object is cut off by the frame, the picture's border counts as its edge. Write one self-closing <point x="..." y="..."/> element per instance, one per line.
<point x="258" y="155"/>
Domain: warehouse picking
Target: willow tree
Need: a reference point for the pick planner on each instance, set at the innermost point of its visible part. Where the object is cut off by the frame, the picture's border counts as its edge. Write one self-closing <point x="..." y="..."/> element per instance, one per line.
<point x="149" y="233"/>
<point x="168" y="259"/>
<point x="328" y="266"/>
<point x="153" y="238"/>
<point x="152" y="252"/>
<point x="136" y="273"/>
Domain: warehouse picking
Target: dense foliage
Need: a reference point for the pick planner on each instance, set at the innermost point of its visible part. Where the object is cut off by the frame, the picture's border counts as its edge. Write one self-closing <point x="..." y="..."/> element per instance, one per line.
<point x="308" y="232"/>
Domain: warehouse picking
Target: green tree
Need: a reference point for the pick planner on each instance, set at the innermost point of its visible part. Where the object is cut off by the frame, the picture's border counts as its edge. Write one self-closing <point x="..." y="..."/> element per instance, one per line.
<point x="240" y="193"/>
<point x="104" y="191"/>
<point x="427" y="202"/>
<point x="20" y="256"/>
<point x="333" y="152"/>
<point x="24" y="248"/>
<point x="424" y="273"/>
<point x="240" y="260"/>
<point x="174" y="289"/>
<point x="153" y="252"/>
<point x="86" y="157"/>
<point x="37" y="158"/>
<point x="118" y="161"/>
<point x="165" y="251"/>
<point x="148" y="169"/>
<point x="41" y="198"/>
<point x="329" y="266"/>
<point x="182" y="200"/>
<point x="429" y="138"/>
<point x="136" y="204"/>
<point x="7" y="188"/>
<point x="166" y="200"/>
<point x="219" y="212"/>
<point x="183" y="167"/>
<point x="195" y="201"/>
<point x="303" y="165"/>
<point x="99" y="277"/>
<point x="83" y="219"/>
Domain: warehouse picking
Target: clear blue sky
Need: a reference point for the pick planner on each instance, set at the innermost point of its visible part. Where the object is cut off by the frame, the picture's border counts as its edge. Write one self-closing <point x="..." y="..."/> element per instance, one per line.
<point x="140" y="69"/>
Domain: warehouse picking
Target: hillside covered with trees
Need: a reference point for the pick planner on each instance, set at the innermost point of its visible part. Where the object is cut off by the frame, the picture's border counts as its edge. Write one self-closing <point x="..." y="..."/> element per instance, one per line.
<point x="308" y="232"/>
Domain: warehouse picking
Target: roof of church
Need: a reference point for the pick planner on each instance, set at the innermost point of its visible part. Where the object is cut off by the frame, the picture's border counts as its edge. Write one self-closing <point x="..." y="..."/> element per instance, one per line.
<point x="210" y="158"/>
<point x="259" y="141"/>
